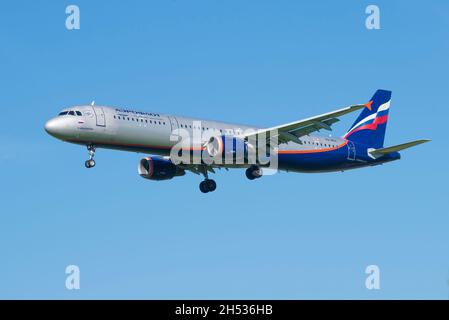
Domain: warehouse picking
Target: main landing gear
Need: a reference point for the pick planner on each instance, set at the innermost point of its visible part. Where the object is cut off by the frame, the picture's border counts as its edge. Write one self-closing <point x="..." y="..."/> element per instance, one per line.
<point x="91" y="162"/>
<point x="208" y="185"/>
<point x="253" y="172"/>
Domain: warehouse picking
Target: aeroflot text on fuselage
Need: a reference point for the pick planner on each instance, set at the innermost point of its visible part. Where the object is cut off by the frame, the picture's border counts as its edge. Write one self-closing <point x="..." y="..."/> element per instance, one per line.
<point x="138" y="112"/>
<point x="176" y="144"/>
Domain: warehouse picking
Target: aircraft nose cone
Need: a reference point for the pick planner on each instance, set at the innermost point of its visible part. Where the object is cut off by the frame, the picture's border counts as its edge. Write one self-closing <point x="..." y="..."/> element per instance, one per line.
<point x="54" y="127"/>
<point x="50" y="126"/>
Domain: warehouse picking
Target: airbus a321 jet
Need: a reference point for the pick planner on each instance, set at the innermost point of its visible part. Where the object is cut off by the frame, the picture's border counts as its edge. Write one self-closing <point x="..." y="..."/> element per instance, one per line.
<point x="296" y="148"/>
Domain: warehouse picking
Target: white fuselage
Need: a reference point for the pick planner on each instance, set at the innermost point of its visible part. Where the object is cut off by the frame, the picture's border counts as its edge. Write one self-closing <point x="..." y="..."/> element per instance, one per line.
<point x="152" y="133"/>
<point x="124" y="129"/>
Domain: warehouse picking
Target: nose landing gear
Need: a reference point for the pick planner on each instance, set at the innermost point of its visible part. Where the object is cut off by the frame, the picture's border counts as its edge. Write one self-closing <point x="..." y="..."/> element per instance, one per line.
<point x="91" y="162"/>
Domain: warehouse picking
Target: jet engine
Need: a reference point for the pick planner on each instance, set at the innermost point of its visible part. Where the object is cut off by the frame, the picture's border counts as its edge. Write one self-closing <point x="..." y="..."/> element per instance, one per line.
<point x="228" y="147"/>
<point x="156" y="168"/>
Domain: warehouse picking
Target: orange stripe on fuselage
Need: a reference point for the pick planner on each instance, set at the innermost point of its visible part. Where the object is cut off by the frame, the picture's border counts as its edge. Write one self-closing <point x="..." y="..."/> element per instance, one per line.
<point x="312" y="150"/>
<point x="203" y="148"/>
<point x="130" y="145"/>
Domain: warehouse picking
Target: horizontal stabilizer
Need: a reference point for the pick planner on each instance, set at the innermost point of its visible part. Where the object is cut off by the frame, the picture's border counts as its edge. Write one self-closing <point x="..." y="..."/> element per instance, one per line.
<point x="399" y="147"/>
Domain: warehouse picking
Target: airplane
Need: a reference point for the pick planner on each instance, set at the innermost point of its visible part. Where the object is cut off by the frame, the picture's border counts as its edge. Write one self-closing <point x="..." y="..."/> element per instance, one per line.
<point x="296" y="147"/>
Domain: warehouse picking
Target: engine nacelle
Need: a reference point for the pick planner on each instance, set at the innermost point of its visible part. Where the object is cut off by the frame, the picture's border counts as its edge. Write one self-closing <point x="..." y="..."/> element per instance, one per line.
<point x="156" y="168"/>
<point x="228" y="147"/>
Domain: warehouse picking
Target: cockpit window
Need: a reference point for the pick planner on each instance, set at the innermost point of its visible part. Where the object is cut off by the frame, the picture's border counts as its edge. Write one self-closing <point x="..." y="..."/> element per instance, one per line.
<point x="71" y="113"/>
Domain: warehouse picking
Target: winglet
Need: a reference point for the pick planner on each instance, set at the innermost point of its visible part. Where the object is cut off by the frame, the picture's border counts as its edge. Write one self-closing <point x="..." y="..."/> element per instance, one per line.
<point x="368" y="105"/>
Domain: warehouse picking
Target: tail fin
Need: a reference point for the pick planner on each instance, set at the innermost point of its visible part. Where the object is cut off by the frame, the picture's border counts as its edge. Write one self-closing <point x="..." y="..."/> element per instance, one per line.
<point x="369" y="128"/>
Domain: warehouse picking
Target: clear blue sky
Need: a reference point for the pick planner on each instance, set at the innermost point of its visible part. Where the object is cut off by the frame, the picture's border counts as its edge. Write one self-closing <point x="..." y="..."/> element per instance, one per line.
<point x="260" y="62"/>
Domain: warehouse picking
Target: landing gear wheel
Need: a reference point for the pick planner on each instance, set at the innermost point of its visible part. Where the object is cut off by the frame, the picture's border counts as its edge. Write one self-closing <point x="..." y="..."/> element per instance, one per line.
<point x="208" y="185"/>
<point x="90" y="163"/>
<point x="211" y="185"/>
<point x="253" y="172"/>
<point x="249" y="174"/>
<point x="203" y="187"/>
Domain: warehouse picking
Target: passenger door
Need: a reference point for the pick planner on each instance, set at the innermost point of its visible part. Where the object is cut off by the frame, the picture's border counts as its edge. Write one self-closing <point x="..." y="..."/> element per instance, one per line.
<point x="99" y="116"/>
<point x="351" y="151"/>
<point x="173" y="123"/>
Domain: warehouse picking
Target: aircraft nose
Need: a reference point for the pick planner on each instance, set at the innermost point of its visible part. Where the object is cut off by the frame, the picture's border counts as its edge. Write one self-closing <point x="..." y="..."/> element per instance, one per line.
<point x="54" y="127"/>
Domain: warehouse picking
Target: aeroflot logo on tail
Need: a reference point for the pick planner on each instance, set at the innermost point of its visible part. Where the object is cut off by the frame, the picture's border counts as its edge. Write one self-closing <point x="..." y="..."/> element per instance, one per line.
<point x="372" y="121"/>
<point x="212" y="147"/>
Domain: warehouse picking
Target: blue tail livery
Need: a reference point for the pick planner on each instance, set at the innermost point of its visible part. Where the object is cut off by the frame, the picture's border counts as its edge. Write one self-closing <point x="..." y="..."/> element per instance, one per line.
<point x="369" y="128"/>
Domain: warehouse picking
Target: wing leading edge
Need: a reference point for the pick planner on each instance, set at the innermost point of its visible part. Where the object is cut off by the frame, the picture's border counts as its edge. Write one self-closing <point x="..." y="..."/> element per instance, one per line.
<point x="293" y="130"/>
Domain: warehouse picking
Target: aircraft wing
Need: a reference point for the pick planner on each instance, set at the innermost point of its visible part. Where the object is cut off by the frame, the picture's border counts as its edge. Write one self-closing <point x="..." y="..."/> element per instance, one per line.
<point x="293" y="130"/>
